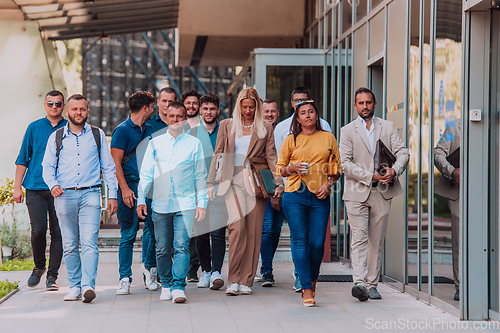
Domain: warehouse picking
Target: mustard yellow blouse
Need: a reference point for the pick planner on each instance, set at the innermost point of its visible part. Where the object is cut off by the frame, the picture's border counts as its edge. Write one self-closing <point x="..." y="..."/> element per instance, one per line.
<point x="314" y="149"/>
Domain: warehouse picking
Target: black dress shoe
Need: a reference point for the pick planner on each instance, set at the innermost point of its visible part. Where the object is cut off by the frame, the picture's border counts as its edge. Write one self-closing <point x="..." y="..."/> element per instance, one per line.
<point x="360" y="293"/>
<point x="457" y="295"/>
<point x="374" y="294"/>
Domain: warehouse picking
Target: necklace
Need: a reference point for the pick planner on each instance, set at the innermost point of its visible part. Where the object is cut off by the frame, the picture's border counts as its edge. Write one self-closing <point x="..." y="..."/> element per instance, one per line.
<point x="248" y="126"/>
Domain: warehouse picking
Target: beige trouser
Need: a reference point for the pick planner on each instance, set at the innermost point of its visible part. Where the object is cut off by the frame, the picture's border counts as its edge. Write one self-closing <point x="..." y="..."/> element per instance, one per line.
<point x="454" y="206"/>
<point x="368" y="222"/>
<point x="245" y="232"/>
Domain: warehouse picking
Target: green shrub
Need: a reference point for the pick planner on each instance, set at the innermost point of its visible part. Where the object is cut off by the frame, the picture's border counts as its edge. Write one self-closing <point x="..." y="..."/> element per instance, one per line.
<point x="13" y="235"/>
<point x="17" y="265"/>
<point x="6" y="287"/>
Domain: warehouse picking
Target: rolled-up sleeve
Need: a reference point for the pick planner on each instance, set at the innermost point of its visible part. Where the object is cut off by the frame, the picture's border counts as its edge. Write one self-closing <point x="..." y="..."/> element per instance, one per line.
<point x="108" y="168"/>
<point x="49" y="163"/>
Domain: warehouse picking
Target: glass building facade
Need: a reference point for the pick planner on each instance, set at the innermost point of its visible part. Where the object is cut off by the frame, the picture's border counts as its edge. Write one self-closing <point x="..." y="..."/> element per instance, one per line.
<point x="434" y="68"/>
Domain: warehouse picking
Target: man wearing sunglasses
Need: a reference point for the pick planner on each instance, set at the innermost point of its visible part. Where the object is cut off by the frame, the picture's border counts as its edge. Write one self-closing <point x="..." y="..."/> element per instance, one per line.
<point x="39" y="200"/>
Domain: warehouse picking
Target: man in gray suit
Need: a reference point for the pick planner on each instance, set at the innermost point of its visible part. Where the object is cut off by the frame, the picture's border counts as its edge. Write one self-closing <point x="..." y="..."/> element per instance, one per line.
<point x="449" y="187"/>
<point x="368" y="194"/>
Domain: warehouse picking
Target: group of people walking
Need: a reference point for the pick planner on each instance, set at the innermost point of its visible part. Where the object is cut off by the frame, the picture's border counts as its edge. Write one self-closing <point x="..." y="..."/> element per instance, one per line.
<point x="189" y="178"/>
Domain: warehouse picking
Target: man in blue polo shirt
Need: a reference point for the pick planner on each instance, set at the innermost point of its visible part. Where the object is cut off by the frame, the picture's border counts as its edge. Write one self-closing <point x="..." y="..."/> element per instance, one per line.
<point x="124" y="148"/>
<point x="38" y="198"/>
<point x="159" y="121"/>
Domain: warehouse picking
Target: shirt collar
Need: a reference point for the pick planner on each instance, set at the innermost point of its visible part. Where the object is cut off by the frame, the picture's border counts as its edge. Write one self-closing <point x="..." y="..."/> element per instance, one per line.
<point x="130" y="122"/>
<point x="86" y="128"/>
<point x="48" y="121"/>
<point x="363" y="122"/>
<point x="216" y="127"/>
<point x="170" y="137"/>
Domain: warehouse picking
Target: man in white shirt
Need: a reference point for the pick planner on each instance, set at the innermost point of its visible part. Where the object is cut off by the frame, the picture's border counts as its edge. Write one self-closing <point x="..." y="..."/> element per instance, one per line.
<point x="175" y="162"/>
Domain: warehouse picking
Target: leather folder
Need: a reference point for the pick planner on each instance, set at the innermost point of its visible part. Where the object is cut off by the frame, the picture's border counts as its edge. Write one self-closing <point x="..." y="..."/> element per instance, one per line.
<point x="383" y="157"/>
<point x="454" y="159"/>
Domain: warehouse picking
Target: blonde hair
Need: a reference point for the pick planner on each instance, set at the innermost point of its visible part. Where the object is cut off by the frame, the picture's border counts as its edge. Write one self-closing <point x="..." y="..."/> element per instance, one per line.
<point x="258" y="121"/>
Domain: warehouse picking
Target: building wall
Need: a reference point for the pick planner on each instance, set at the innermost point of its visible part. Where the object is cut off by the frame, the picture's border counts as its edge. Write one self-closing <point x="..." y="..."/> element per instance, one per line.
<point x="23" y="86"/>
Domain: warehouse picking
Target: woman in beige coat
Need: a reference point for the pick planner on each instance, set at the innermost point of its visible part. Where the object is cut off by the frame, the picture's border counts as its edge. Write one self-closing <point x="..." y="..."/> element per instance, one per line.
<point x="244" y="136"/>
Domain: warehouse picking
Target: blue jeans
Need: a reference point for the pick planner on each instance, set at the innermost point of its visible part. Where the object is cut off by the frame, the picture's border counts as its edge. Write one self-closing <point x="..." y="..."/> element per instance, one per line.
<point x="129" y="222"/>
<point x="271" y="230"/>
<point x="172" y="230"/>
<point x="79" y="214"/>
<point x="148" y="239"/>
<point x="307" y="218"/>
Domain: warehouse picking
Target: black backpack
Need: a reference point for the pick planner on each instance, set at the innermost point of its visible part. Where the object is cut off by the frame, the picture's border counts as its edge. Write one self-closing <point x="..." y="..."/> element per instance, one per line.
<point x="60" y="136"/>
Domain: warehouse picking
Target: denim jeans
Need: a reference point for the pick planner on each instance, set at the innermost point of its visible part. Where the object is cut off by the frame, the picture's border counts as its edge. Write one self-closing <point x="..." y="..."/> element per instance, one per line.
<point x="79" y="214"/>
<point x="213" y="226"/>
<point x="129" y="222"/>
<point x="171" y="230"/>
<point x="148" y="239"/>
<point x="271" y="230"/>
<point x="40" y="203"/>
<point x="307" y="218"/>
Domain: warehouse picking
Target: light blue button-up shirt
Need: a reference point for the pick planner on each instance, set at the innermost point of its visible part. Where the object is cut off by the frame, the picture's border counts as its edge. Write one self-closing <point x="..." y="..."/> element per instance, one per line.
<point x="79" y="164"/>
<point x="173" y="172"/>
<point x="369" y="134"/>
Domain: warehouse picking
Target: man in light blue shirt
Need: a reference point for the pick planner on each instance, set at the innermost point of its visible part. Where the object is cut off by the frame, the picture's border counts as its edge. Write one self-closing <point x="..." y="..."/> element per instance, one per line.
<point x="174" y="166"/>
<point x="73" y="176"/>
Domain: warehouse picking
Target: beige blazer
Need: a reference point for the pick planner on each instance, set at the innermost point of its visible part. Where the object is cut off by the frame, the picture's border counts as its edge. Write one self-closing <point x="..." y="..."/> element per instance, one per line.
<point x="358" y="163"/>
<point x="256" y="148"/>
<point x="450" y="142"/>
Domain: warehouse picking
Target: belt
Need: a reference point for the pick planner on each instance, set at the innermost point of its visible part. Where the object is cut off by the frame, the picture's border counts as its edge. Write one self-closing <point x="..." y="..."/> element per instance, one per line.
<point x="82" y="188"/>
<point x="374" y="184"/>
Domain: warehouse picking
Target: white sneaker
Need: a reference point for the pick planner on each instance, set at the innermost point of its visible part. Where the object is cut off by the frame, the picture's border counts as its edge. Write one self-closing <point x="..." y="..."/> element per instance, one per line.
<point x="152" y="285"/>
<point x="258" y="277"/>
<point x="204" y="280"/>
<point x="145" y="274"/>
<point x="232" y="289"/>
<point x="75" y="293"/>
<point x="88" y="294"/>
<point x="216" y="281"/>
<point x="245" y="290"/>
<point x="123" y="287"/>
<point x="178" y="296"/>
<point x="166" y="295"/>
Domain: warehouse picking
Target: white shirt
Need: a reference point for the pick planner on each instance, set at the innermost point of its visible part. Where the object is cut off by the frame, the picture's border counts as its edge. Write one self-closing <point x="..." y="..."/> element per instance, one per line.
<point x="282" y="130"/>
<point x="241" y="149"/>
<point x="369" y="133"/>
<point x="175" y="167"/>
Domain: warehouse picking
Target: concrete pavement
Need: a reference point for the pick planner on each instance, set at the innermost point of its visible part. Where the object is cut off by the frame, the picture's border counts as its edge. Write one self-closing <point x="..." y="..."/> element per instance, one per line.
<point x="276" y="309"/>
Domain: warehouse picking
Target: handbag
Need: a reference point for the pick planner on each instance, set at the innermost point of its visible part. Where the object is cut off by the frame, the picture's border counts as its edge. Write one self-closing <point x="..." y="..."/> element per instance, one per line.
<point x="262" y="177"/>
<point x="219" y="161"/>
<point x="332" y="165"/>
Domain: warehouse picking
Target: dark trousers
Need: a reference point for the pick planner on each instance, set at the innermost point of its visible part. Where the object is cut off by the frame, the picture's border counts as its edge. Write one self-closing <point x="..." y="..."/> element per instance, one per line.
<point x="213" y="226"/>
<point x="194" y="260"/>
<point x="40" y="203"/>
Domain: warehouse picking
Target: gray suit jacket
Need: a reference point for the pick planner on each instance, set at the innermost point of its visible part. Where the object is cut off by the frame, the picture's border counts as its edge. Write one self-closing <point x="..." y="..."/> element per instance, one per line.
<point x="449" y="143"/>
<point x="357" y="160"/>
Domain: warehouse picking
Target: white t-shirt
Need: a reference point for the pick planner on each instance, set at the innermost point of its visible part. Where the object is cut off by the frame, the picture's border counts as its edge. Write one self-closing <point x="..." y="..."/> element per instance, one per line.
<point x="241" y="149"/>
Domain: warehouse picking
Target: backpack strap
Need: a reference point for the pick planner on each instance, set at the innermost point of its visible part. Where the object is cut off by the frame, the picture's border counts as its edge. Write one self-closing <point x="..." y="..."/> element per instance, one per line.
<point x="128" y="156"/>
<point x="59" y="137"/>
<point x="97" y="138"/>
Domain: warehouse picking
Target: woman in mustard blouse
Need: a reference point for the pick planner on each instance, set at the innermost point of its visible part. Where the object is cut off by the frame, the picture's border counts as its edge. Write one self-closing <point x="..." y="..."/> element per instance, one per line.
<point x="310" y="158"/>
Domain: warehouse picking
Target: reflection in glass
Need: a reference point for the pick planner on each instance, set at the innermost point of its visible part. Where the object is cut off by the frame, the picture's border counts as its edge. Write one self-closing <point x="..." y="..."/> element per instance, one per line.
<point x="447" y="123"/>
<point x="281" y="80"/>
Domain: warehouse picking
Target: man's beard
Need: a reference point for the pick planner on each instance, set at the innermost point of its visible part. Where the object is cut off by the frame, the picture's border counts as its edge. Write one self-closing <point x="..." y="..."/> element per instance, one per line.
<point x="214" y="119"/>
<point x="193" y="115"/>
<point x="74" y="122"/>
<point x="369" y="116"/>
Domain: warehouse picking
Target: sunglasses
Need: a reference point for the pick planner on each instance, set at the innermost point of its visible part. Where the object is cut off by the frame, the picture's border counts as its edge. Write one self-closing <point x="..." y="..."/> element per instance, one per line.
<point x="305" y="101"/>
<point x="57" y="104"/>
<point x="299" y="100"/>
